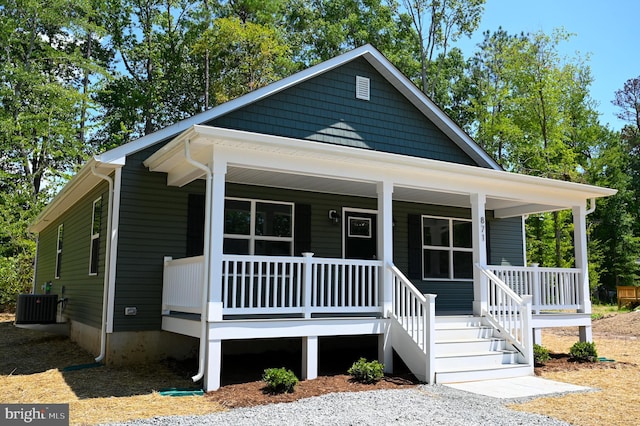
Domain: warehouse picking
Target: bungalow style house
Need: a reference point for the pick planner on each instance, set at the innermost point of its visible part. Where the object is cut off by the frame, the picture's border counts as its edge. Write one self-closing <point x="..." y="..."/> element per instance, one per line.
<point x="339" y="201"/>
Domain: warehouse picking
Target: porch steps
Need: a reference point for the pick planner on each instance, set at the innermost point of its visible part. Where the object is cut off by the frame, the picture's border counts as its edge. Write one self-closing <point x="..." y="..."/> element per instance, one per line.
<point x="467" y="350"/>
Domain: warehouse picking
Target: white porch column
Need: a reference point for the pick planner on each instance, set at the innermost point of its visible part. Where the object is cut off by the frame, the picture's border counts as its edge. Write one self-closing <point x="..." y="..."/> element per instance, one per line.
<point x="385" y="253"/>
<point x="582" y="263"/>
<point x="385" y="239"/>
<point x="216" y="231"/>
<point x="214" y="365"/>
<point x="479" y="243"/>
<point x="309" y="357"/>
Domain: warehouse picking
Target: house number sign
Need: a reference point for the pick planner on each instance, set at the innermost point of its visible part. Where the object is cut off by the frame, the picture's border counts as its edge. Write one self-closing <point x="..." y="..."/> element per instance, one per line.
<point x="482" y="228"/>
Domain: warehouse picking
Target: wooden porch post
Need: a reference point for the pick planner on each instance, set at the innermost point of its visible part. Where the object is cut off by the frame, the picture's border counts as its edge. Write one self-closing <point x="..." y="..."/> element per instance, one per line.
<point x="479" y="244"/>
<point x="582" y="263"/>
<point x="219" y="170"/>
<point x="385" y="253"/>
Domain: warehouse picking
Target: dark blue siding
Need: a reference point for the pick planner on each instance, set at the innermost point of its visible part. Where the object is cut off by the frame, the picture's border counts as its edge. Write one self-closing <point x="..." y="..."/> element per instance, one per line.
<point x="325" y="109"/>
<point x="505" y="242"/>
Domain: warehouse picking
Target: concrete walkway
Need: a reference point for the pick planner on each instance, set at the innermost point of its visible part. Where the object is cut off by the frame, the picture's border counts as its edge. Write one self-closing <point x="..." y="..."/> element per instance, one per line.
<point x="518" y="387"/>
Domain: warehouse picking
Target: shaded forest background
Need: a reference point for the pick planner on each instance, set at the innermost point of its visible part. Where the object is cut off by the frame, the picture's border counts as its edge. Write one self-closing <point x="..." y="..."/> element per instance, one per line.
<point x="78" y="77"/>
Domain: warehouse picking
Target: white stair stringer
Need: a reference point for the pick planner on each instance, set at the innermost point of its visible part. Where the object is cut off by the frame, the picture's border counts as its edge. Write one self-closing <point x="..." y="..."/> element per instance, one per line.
<point x="466" y="349"/>
<point x="409" y="350"/>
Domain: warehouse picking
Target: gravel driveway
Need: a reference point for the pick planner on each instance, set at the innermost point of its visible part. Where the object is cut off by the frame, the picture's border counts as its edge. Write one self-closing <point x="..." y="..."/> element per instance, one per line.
<point x="424" y="405"/>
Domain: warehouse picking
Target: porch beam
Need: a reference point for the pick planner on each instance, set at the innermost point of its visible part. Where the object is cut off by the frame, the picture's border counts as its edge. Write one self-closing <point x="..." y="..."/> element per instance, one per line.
<point x="479" y="244"/>
<point x="524" y="210"/>
<point x="440" y="179"/>
<point x="582" y="263"/>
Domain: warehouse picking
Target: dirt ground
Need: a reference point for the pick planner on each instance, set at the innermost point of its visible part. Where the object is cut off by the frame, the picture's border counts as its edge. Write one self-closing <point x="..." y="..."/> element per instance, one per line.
<point x="32" y="370"/>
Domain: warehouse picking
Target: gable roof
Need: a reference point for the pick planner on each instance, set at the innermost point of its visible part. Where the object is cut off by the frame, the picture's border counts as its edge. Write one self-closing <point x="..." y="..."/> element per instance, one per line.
<point x="425" y="105"/>
<point x="115" y="158"/>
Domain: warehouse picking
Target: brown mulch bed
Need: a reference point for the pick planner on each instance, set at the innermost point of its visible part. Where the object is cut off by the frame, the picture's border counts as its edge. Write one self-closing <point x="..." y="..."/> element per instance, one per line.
<point x="255" y="393"/>
<point x="564" y="362"/>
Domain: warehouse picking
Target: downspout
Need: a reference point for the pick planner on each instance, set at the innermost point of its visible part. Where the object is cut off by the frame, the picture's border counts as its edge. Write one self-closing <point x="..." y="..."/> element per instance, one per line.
<point x="591" y="209"/>
<point x="205" y="251"/>
<point x="107" y="258"/>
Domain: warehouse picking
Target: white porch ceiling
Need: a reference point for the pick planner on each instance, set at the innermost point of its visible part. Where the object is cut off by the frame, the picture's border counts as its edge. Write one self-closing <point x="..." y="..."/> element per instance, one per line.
<point x="272" y="161"/>
<point x="282" y="180"/>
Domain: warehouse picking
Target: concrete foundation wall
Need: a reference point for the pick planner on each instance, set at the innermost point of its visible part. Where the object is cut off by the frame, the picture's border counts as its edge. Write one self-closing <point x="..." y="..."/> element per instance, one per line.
<point x="135" y="347"/>
<point x="87" y="337"/>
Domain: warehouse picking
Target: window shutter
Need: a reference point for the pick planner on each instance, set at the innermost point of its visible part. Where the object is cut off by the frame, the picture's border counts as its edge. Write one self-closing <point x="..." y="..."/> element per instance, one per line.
<point x="415" y="246"/>
<point x="302" y="229"/>
<point x="195" y="225"/>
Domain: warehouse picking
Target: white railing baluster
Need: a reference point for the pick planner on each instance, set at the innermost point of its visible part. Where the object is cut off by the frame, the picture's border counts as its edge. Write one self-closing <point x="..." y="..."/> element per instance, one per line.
<point x="551" y="288"/>
<point x="509" y="313"/>
<point x="182" y="285"/>
<point x="225" y="283"/>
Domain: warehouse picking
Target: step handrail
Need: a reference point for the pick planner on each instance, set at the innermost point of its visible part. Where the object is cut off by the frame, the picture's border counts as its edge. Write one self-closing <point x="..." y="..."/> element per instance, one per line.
<point x="509" y="313"/>
<point x="414" y="312"/>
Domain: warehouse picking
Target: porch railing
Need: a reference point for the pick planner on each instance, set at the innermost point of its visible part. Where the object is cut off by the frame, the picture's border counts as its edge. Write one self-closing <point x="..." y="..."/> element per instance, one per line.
<point x="182" y="284"/>
<point x="509" y="313"/>
<point x="551" y="288"/>
<point x="278" y="285"/>
<point x="415" y="313"/>
<point x="410" y="308"/>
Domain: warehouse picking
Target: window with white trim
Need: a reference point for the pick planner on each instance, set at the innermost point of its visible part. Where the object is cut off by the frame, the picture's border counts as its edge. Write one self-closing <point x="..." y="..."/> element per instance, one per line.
<point x="257" y="227"/>
<point x="96" y="218"/>
<point x="59" y="250"/>
<point x="447" y="252"/>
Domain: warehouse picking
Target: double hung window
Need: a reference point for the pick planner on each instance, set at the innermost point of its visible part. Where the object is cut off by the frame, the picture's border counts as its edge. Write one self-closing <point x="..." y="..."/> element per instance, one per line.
<point x="59" y="250"/>
<point x="258" y="227"/>
<point x="447" y="252"/>
<point x="96" y="218"/>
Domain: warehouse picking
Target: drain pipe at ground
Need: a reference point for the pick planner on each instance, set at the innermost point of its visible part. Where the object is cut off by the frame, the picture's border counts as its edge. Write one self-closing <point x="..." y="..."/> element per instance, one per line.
<point x="207" y="247"/>
<point x="107" y="257"/>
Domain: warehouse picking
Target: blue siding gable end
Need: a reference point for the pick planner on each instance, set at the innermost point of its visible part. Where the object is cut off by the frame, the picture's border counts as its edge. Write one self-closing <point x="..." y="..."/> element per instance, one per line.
<point x="325" y="109"/>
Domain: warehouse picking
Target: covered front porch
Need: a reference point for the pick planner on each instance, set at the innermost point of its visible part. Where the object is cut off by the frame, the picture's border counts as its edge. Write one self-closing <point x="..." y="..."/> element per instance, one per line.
<point x="267" y="297"/>
<point x="219" y="296"/>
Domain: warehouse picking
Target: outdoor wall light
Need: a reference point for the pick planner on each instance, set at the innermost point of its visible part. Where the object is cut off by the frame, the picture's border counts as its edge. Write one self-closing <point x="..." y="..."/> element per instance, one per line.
<point x="334" y="216"/>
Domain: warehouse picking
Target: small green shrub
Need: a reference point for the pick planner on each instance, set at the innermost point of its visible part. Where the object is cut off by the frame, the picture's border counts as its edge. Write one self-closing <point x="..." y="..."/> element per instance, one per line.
<point x="540" y="354"/>
<point x="366" y="371"/>
<point x="280" y="380"/>
<point x="584" y="351"/>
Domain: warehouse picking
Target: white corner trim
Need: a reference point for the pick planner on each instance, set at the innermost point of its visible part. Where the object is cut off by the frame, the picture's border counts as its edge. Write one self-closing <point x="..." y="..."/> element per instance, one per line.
<point x="115" y="222"/>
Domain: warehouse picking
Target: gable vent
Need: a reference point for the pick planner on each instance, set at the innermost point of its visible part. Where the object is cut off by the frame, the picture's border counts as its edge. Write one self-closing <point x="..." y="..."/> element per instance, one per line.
<point x="362" y="88"/>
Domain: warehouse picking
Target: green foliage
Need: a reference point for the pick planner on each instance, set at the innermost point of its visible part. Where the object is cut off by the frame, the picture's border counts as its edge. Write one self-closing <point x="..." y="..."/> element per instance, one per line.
<point x="280" y="380"/>
<point x="15" y="278"/>
<point x="615" y="220"/>
<point x="245" y="56"/>
<point x="366" y="371"/>
<point x="540" y="354"/>
<point x="584" y="351"/>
